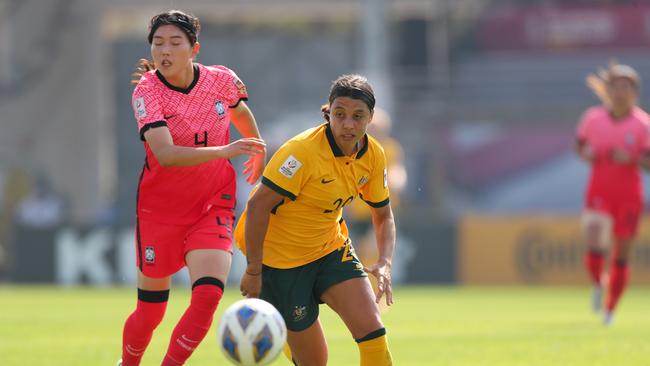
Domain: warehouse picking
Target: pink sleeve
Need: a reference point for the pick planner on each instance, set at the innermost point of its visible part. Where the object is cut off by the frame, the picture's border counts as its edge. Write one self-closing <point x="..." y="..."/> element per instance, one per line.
<point x="582" y="132"/>
<point x="147" y="108"/>
<point x="237" y="92"/>
<point x="645" y="138"/>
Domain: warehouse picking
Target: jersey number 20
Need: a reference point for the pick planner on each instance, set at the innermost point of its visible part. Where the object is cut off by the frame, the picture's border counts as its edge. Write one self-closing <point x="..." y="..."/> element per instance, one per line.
<point x="339" y="203"/>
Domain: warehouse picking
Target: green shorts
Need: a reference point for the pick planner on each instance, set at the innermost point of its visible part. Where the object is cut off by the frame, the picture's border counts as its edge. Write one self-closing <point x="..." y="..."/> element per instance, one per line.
<point x="296" y="292"/>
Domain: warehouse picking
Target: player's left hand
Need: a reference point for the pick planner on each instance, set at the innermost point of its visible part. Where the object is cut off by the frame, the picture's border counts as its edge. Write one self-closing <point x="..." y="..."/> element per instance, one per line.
<point x="254" y="167"/>
<point x="382" y="271"/>
<point x="250" y="284"/>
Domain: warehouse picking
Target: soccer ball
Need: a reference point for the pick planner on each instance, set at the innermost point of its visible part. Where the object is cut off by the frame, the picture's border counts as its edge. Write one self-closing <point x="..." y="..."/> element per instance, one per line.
<point x="251" y="332"/>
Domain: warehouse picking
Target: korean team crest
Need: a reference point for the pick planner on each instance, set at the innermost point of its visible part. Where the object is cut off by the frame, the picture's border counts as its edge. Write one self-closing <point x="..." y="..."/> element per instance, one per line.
<point x="299" y="313"/>
<point x="149" y="255"/>
<point x="218" y="106"/>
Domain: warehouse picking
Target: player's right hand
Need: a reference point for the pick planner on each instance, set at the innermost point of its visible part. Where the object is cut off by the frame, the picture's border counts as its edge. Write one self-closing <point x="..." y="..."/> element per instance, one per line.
<point x="251" y="284"/>
<point x="587" y="153"/>
<point x="246" y="146"/>
<point x="620" y="156"/>
<point x="382" y="271"/>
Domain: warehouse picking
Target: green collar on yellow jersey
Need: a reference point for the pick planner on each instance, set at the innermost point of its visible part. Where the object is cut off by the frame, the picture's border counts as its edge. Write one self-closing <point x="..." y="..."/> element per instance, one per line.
<point x="336" y="150"/>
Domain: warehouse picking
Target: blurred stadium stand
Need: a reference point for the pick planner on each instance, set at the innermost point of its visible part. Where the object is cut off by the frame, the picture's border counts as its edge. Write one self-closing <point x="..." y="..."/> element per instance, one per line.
<point x="485" y="95"/>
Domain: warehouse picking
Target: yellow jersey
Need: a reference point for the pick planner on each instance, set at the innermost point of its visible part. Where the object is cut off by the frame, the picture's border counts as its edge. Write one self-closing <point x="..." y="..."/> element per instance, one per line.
<point x="317" y="180"/>
<point x="394" y="153"/>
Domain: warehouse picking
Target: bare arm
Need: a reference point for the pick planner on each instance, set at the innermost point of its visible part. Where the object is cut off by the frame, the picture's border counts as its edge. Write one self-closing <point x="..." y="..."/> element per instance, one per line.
<point x="162" y="145"/>
<point x="258" y="212"/>
<point x="244" y="121"/>
<point x="384" y="225"/>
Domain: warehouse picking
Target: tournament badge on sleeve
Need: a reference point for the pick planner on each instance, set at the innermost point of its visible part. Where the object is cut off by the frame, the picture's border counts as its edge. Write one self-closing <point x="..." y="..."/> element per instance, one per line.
<point x="240" y="87"/>
<point x="140" y="109"/>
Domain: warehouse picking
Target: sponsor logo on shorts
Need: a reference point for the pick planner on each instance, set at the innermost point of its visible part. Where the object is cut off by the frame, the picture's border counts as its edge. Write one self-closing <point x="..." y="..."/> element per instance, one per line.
<point x="149" y="255"/>
<point x="290" y="167"/>
<point x="299" y="313"/>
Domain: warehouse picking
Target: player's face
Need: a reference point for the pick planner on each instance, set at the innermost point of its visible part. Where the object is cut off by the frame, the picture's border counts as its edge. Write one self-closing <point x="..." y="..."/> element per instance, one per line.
<point x="623" y="92"/>
<point x="349" y="120"/>
<point x="171" y="50"/>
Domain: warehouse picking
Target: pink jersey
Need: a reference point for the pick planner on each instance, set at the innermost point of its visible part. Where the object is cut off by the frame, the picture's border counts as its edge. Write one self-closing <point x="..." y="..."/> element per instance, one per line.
<point x="602" y="133"/>
<point x="196" y="116"/>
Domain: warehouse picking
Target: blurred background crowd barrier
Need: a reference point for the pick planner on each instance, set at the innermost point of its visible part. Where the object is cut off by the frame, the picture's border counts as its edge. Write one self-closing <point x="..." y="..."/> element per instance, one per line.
<point x="484" y="97"/>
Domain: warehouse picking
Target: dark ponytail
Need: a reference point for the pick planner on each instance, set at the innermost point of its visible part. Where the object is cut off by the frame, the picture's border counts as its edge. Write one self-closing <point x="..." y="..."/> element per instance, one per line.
<point x="325" y="109"/>
<point x="142" y="68"/>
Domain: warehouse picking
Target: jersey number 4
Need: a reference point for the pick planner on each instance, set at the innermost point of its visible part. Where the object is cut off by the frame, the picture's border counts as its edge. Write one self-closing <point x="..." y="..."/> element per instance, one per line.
<point x="205" y="139"/>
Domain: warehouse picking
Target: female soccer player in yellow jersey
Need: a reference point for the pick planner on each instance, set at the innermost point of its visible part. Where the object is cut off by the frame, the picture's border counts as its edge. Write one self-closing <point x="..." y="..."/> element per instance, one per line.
<point x="298" y="251"/>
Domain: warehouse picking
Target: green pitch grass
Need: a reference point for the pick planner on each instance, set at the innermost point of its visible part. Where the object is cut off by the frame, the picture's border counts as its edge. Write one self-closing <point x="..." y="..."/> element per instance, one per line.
<point x="426" y="326"/>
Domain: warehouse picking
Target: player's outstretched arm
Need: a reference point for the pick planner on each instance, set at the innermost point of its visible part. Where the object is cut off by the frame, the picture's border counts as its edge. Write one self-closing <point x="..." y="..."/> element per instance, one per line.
<point x="244" y="121"/>
<point x="384" y="225"/>
<point x="258" y="211"/>
<point x="162" y="145"/>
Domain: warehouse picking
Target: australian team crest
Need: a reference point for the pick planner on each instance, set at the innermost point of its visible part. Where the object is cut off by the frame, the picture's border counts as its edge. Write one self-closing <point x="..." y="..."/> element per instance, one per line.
<point x="299" y="313"/>
<point x="363" y="180"/>
<point x="221" y="110"/>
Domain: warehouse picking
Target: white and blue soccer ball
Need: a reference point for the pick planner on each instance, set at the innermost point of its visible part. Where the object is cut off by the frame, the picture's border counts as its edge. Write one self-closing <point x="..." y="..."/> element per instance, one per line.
<point x="251" y="332"/>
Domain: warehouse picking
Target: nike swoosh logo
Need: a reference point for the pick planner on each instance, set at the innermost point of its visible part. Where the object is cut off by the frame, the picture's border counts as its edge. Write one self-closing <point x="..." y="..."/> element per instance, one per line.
<point x="170" y="116"/>
<point x="327" y="181"/>
<point x="184" y="337"/>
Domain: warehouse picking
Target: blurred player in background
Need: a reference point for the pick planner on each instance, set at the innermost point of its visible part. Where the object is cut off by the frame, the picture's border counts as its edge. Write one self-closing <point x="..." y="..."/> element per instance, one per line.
<point x="186" y="193"/>
<point x="613" y="139"/>
<point x="358" y="214"/>
<point x="298" y="249"/>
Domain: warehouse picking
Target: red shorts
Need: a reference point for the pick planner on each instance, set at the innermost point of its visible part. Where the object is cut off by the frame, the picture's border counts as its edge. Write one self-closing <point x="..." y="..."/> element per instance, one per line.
<point x="625" y="215"/>
<point x="161" y="248"/>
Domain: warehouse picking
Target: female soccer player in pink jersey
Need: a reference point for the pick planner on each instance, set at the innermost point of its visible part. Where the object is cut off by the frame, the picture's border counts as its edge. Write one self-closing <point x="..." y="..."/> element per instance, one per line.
<point x="613" y="139"/>
<point x="186" y="193"/>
